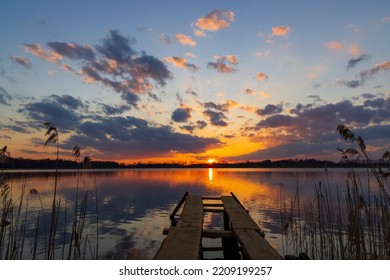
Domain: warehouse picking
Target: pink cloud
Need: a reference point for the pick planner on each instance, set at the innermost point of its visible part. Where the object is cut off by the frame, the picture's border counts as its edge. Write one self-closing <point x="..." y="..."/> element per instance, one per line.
<point x="185" y="40"/>
<point x="37" y="50"/>
<point x="336" y="46"/>
<point x="355" y="50"/>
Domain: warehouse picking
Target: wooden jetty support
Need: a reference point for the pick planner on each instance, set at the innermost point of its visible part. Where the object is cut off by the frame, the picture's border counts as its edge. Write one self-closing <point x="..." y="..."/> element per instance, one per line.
<point x="241" y="236"/>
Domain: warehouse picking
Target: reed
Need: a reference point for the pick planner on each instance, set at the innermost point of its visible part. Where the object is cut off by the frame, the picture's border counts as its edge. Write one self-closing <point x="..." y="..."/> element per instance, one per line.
<point x="21" y="226"/>
<point x="343" y="223"/>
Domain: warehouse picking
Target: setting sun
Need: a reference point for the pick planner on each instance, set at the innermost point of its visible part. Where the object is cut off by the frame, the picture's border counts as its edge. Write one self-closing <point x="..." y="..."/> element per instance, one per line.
<point x="211" y="160"/>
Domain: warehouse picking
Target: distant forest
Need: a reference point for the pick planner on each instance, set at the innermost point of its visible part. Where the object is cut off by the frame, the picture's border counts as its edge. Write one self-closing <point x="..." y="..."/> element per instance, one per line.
<point x="21" y="163"/>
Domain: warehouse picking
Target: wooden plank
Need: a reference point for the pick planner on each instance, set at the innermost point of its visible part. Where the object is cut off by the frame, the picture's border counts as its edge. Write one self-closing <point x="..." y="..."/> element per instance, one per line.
<point x="212" y="233"/>
<point x="212" y="205"/>
<point x="192" y="214"/>
<point x="238" y="217"/>
<point x="213" y="210"/>
<point x="211" y="197"/>
<point x="209" y="233"/>
<point x="182" y="243"/>
<point x="254" y="246"/>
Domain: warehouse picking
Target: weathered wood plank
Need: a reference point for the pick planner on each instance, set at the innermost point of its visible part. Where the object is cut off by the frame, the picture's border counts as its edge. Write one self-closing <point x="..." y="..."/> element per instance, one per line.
<point x="238" y="217"/>
<point x="209" y="233"/>
<point x="192" y="214"/>
<point x="254" y="246"/>
<point x="212" y="205"/>
<point x="182" y="243"/>
<point x="211" y="197"/>
<point x="213" y="210"/>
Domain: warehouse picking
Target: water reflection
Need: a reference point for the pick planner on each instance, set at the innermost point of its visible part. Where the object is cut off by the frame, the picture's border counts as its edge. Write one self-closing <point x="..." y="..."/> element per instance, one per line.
<point x="134" y="205"/>
<point x="210" y="174"/>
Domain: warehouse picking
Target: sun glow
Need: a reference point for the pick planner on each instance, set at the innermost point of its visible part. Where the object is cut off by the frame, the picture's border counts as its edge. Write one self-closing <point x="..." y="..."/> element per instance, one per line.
<point x="211" y="160"/>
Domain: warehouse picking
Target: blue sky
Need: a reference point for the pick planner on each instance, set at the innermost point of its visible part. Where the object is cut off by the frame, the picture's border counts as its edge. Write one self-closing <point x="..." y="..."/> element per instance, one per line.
<point x="192" y="80"/>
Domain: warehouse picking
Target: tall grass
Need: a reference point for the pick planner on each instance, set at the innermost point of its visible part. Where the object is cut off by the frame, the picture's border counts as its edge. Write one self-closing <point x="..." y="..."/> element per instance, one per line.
<point x="21" y="226"/>
<point x="352" y="222"/>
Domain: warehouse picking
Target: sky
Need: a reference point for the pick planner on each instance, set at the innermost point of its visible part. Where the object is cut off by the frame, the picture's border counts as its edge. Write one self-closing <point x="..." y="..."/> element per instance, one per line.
<point x="188" y="81"/>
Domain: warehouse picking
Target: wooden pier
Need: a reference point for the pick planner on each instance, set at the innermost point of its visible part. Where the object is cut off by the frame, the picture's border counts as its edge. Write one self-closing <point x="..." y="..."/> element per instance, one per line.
<point x="241" y="236"/>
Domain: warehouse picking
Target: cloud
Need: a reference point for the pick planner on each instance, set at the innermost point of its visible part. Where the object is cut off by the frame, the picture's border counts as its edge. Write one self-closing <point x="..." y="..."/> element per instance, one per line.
<point x="350" y="84"/>
<point x="191" y="127"/>
<point x="114" y="110"/>
<point x="22" y="61"/>
<point x="144" y="29"/>
<point x="181" y="114"/>
<point x="354" y="50"/>
<point x="215" y="20"/>
<point x="281" y="31"/>
<point x="221" y="66"/>
<point x="262" y="77"/>
<point x="199" y="33"/>
<point x="68" y="101"/>
<point x="185" y="40"/>
<point x="113" y="63"/>
<point x="72" y="51"/>
<point x="216" y="118"/>
<point x="276" y="121"/>
<point x="116" y="46"/>
<point x="224" y="107"/>
<point x="191" y="92"/>
<point x="232" y="58"/>
<point x="190" y="54"/>
<point x="365" y="74"/>
<point x="353" y="61"/>
<point x="65" y="111"/>
<point x="165" y="39"/>
<point x="314" y="122"/>
<point x="5" y="97"/>
<point x="336" y="46"/>
<point x="270" y="109"/>
<point x="310" y="129"/>
<point x="133" y="138"/>
<point x="181" y="62"/>
<point x="37" y="50"/>
<point x="263" y="94"/>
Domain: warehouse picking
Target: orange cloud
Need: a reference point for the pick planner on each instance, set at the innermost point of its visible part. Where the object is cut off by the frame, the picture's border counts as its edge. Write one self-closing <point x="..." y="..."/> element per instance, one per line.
<point x="263" y="94"/>
<point x="37" y="50"/>
<point x="281" y="31"/>
<point x="232" y="58"/>
<point x="68" y="68"/>
<point x="185" y="39"/>
<point x="335" y="46"/>
<point x="181" y="62"/>
<point x="199" y="33"/>
<point x="177" y="61"/>
<point x="215" y="20"/>
<point x="262" y="77"/>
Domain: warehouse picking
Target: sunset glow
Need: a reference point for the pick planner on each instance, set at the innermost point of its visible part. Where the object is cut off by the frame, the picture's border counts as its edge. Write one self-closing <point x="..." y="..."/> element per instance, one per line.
<point x="174" y="81"/>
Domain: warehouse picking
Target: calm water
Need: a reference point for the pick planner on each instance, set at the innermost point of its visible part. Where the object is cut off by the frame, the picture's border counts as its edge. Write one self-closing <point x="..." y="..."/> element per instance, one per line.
<point x="134" y="205"/>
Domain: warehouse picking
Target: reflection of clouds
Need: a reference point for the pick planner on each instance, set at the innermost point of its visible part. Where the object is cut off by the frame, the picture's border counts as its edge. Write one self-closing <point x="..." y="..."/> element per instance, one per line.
<point x="134" y="205"/>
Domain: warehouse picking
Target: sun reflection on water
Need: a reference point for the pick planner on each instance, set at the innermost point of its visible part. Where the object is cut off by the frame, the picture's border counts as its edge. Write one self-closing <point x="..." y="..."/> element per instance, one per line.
<point x="210" y="174"/>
